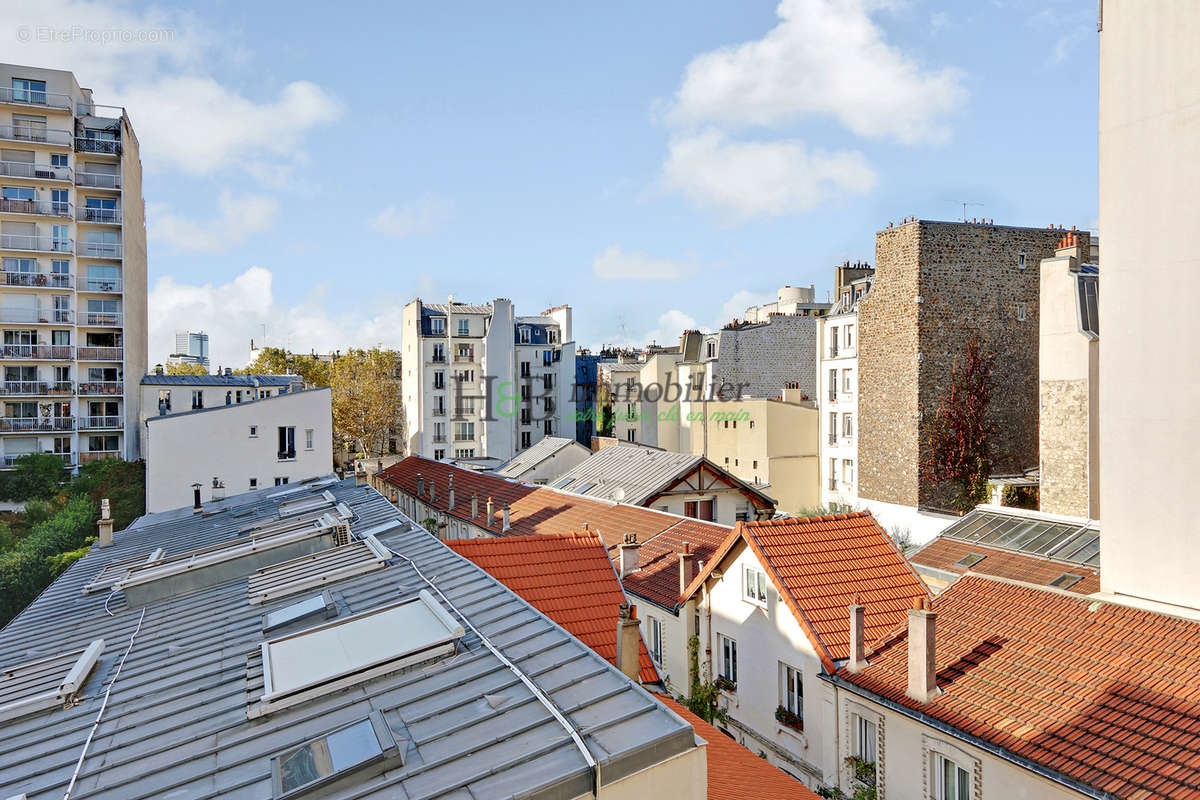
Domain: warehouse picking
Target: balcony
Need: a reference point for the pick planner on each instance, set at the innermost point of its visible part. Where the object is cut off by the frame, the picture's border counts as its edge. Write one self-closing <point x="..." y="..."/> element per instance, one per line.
<point x="439" y="412"/>
<point x="101" y="319"/>
<point x="100" y="249"/>
<point x="40" y="208"/>
<point x="49" y="280"/>
<point x="97" y="180"/>
<point x="37" y="352"/>
<point x="35" y="316"/>
<point x="464" y="359"/>
<point x="98" y="455"/>
<point x="41" y="172"/>
<point x="100" y="285"/>
<point x="36" y="387"/>
<point x="101" y="387"/>
<point x="108" y="147"/>
<point x="36" y="424"/>
<point x="833" y="351"/>
<point x="35" y="244"/>
<point x="11" y="460"/>
<point x="833" y="440"/>
<point x="38" y="134"/>
<point x="101" y="423"/>
<point x="439" y="438"/>
<point x="35" y="97"/>
<point x="100" y="353"/>
<point x="101" y="216"/>
<point x="833" y="484"/>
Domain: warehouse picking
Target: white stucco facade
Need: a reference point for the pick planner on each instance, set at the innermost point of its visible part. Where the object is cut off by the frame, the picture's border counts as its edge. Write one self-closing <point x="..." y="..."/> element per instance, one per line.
<point x="237" y="448"/>
<point x="837" y="398"/>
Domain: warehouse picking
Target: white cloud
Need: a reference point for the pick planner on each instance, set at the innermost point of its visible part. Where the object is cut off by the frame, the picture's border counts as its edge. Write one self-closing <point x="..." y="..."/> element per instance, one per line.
<point x="237" y="220"/>
<point x="825" y="57"/>
<point x="158" y="63"/>
<point x="735" y="307"/>
<point x="670" y="326"/>
<point x="614" y="263"/>
<point x="746" y="179"/>
<point x="233" y="313"/>
<point x="424" y="215"/>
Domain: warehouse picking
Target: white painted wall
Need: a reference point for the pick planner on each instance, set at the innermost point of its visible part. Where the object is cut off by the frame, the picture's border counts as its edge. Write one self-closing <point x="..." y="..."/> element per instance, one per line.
<point x="922" y="526"/>
<point x="838" y="486"/>
<point x="183" y="449"/>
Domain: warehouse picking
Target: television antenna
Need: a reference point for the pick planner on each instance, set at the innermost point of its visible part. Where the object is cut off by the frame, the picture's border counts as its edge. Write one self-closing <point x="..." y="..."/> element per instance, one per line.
<point x="964" y="204"/>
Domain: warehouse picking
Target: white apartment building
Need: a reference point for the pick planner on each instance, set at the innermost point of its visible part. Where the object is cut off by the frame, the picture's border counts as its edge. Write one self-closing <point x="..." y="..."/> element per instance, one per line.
<point x="163" y="395"/>
<point x="282" y="438"/>
<point x="191" y="347"/>
<point x="73" y="279"/>
<point x="791" y="301"/>
<point x="837" y="394"/>
<point x="480" y="381"/>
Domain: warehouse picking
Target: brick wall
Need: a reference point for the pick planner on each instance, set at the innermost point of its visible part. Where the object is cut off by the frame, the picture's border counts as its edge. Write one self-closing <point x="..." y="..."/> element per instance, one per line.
<point x="766" y="357"/>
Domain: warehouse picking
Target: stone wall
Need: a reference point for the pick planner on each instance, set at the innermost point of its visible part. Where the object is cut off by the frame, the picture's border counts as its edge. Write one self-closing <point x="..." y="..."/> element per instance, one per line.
<point x="1064" y="463"/>
<point x="767" y="356"/>
<point x="937" y="285"/>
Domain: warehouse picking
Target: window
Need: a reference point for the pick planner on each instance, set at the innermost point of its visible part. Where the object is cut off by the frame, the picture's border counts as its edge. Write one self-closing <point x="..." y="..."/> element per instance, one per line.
<point x="847" y="471"/>
<point x="1022" y="312"/>
<point x="847" y="425"/>
<point x="28" y="91"/>
<point x="525" y="336"/>
<point x="727" y="670"/>
<point x="833" y="388"/>
<point x="969" y="560"/>
<point x="439" y="379"/>
<point x="58" y="160"/>
<point x="281" y="481"/>
<point x="464" y="328"/>
<point x="439" y="353"/>
<point x="164" y="400"/>
<point x="437" y="326"/>
<point x="631" y="435"/>
<point x="847" y="381"/>
<point x="464" y="431"/>
<point x="526" y="439"/>
<point x="316" y="570"/>
<point x="308" y="439"/>
<point x="792" y="691"/>
<point x="833" y="474"/>
<point x="197" y="398"/>
<point x="1020" y="261"/>
<point x="951" y="782"/>
<point x="656" y="643"/>
<point x="46" y="682"/>
<point x="287" y="442"/>
<point x="848" y="336"/>
<point x="317" y="763"/>
<point x="253" y="483"/>
<point x="321" y="604"/>
<point x="253" y="431"/>
<point x="1066" y="580"/>
<point x="754" y="586"/>
<point x="439" y="455"/>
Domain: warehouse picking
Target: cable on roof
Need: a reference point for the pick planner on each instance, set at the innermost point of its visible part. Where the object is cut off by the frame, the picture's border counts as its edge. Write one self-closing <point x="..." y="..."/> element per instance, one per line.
<point x="88" y="742"/>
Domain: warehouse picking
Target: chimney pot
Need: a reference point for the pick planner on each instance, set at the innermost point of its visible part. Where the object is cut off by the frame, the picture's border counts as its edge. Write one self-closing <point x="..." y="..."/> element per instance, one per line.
<point x="432" y="491"/>
<point x="858" y="616"/>
<point x="922" y="668"/>
<point x="506" y="523"/>
<point x="360" y="475"/>
<point x="105" y="525"/>
<point x="629" y="636"/>
<point x="629" y="555"/>
<point x="491" y="510"/>
<point x="474" y="505"/>
<point x="687" y="567"/>
<point x="420" y="485"/>
<point x="196" y="507"/>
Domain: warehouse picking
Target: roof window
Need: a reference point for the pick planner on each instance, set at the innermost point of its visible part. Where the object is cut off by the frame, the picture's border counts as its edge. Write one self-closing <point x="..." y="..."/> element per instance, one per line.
<point x="969" y="560"/>
<point x="364" y="746"/>
<point x="316" y="569"/>
<point x="116" y="571"/>
<point x="1066" y="580"/>
<point x="318" y="604"/>
<point x="47" y="682"/>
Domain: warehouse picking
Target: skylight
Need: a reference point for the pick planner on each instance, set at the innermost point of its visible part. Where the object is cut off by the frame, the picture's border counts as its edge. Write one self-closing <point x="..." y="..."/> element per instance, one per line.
<point x="293" y="507"/>
<point x="969" y="560"/>
<point x="47" y="682"/>
<point x="1066" y="581"/>
<point x="368" y="743"/>
<point x="565" y="482"/>
<point x="116" y="571"/>
<point x="336" y="655"/>
<point x="317" y="569"/>
<point x="304" y="609"/>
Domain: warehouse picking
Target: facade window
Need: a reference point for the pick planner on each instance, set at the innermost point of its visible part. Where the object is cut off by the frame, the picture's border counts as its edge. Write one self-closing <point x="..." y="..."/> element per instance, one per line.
<point x="833" y="474"/>
<point x="437" y="326"/>
<point x="847" y="471"/>
<point x="727" y="669"/>
<point x="464" y="328"/>
<point x="548" y="427"/>
<point x="792" y="691"/>
<point x="700" y="509"/>
<point x="281" y="481"/>
<point x="308" y="439"/>
<point x="656" y="640"/>
<point x="464" y="352"/>
<point x="526" y="439"/>
<point x="229" y="398"/>
<point x="253" y="431"/>
<point x="1020" y="261"/>
<point x="164" y="400"/>
<point x="464" y="431"/>
<point x="848" y="336"/>
<point x="847" y="381"/>
<point x="833" y="389"/>
<point x="439" y="379"/>
<point x="631" y="435"/>
<point x="525" y="336"/>
<point x="552" y="335"/>
<point x="1022" y="312"/>
<point x="864" y="743"/>
<point x="439" y="455"/>
<point x="847" y="425"/>
<point x="712" y="350"/>
<point x="287" y="442"/>
<point x="254" y="483"/>
<point x="197" y="398"/>
<point x="439" y="353"/>
<point x="439" y="431"/>
<point x="754" y="586"/>
<point x="951" y="782"/>
<point x="833" y="342"/>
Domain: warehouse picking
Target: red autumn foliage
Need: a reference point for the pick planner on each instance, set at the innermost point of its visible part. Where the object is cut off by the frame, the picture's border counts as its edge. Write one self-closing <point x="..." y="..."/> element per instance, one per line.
<point x="958" y="441"/>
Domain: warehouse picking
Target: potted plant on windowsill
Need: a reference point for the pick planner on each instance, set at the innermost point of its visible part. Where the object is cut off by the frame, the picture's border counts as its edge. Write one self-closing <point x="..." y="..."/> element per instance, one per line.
<point x="789" y="719"/>
<point x="725" y="685"/>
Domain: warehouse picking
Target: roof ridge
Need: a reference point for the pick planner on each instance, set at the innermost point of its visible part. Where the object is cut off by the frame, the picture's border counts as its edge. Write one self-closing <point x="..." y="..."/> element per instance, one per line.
<point x="803" y="520"/>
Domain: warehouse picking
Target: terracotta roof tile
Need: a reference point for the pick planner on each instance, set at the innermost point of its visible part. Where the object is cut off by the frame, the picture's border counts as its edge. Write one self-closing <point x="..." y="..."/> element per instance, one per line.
<point x="1095" y="692"/>
<point x="943" y="553"/>
<point x="734" y="773"/>
<point x="567" y="577"/>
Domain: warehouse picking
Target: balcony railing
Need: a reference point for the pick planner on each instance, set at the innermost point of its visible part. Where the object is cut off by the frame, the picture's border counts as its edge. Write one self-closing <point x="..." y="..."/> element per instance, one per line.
<point x="833" y="351"/>
<point x="10" y="460"/>
<point x="98" y="180"/>
<point x="35" y="133"/>
<point x="833" y="484"/>
<point x="93" y="110"/>
<point x="38" y="352"/>
<point x="464" y="358"/>
<point x="833" y="440"/>
<point x="98" y="455"/>
<point x="101" y="319"/>
<point x="101" y="423"/>
<point x="109" y="147"/>
<point x="100" y="285"/>
<point x="100" y="353"/>
<point x="37" y="387"/>
<point x="104" y="215"/>
<point x="51" y="280"/>
<point x="439" y="439"/>
<point x="100" y="249"/>
<point x="35" y="97"/>
<point x="42" y="208"/>
<point x="101" y="387"/>
<point x="26" y="169"/>
<point x="40" y="244"/>
<point x="37" y="315"/>
<point x="439" y="412"/>
<point x="36" y="424"/>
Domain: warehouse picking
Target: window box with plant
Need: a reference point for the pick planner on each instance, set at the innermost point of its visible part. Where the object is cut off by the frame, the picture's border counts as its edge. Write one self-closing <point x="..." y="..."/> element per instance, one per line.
<point x="789" y="719"/>
<point x="724" y="684"/>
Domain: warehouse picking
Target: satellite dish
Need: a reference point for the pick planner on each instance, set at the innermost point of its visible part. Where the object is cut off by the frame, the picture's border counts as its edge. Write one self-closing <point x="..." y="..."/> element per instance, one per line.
<point x="619" y="494"/>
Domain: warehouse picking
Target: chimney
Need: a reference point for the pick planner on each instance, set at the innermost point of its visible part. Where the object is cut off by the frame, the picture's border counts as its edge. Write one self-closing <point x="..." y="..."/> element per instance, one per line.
<point x="858" y="618"/>
<point x="432" y="491"/>
<point x="629" y="554"/>
<point x="451" y="497"/>
<point x="474" y="505"/>
<point x="629" y="634"/>
<point x="922" y="672"/>
<point x="491" y="510"/>
<point x="196" y="507"/>
<point x="687" y="567"/>
<point x="506" y="524"/>
<point x="105" y="524"/>
<point x="360" y="475"/>
<point x="420" y="485"/>
<point x="158" y="369"/>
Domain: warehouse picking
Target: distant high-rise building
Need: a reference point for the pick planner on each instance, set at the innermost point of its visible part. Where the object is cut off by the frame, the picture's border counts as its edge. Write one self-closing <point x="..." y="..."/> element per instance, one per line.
<point x="73" y="295"/>
<point x="191" y="348"/>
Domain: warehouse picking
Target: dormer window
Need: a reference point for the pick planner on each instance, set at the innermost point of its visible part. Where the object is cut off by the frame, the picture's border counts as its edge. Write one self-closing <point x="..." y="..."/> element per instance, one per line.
<point x="525" y="335"/>
<point x="437" y="326"/>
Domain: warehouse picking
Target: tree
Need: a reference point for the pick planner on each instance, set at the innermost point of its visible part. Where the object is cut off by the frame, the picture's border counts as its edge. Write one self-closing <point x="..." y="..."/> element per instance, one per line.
<point x="38" y="476"/>
<point x="366" y="398"/>
<point x="958" y="442"/>
<point x="277" y="361"/>
<point x="185" y="368"/>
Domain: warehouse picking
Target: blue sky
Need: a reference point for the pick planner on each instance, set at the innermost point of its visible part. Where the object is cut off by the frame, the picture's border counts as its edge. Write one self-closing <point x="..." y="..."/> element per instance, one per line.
<point x="656" y="165"/>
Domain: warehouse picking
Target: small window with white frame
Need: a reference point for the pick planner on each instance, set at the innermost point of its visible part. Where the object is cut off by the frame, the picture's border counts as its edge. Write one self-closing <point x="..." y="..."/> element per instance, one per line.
<point x="308" y="439"/>
<point x="754" y="585"/>
<point x="864" y="750"/>
<point x="951" y="781"/>
<point x="1022" y="312"/>
<point x="791" y="696"/>
<point x="253" y="431"/>
<point x="727" y="665"/>
<point x="1020" y="261"/>
<point x="656" y="639"/>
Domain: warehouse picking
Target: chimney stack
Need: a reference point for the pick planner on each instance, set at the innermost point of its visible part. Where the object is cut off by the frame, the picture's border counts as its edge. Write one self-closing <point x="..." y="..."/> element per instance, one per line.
<point x="105" y="525"/>
<point x="432" y="491"/>
<point x="687" y="567"/>
<point x="491" y="511"/>
<point x="629" y="554"/>
<point x="505" y="523"/>
<point x="474" y="505"/>
<point x="858" y="617"/>
<point x="451" y="498"/>
<point x="196" y="507"/>
<point x="360" y="475"/>
<point x="922" y="671"/>
<point x="420" y="485"/>
<point x="629" y="634"/>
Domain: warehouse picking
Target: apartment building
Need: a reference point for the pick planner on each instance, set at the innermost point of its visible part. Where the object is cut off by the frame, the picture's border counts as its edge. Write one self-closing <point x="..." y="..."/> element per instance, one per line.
<point x="163" y="395"/>
<point x="481" y="382"/>
<point x="191" y="347"/>
<point x="73" y="267"/>
<point x="936" y="286"/>
<point x="837" y="394"/>
<point x="790" y="301"/>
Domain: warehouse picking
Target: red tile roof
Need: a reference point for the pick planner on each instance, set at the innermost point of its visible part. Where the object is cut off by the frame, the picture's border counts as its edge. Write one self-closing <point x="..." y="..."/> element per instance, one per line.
<point x="734" y="773"/>
<point x="819" y="565"/>
<point x="541" y="510"/>
<point x="566" y="576"/>
<point x="943" y="552"/>
<point x="1104" y="694"/>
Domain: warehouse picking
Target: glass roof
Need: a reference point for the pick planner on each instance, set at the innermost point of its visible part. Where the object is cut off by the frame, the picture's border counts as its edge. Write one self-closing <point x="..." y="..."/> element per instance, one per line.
<point x="1078" y="542"/>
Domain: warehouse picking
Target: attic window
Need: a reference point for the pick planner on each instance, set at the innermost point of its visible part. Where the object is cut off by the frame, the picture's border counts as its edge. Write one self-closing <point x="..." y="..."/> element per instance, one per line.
<point x="1066" y="581"/>
<point x="293" y="507"/>
<point x="304" y="609"/>
<point x="116" y="571"/>
<point x="46" y="683"/>
<point x="344" y="653"/>
<point x="316" y="570"/>
<point x="969" y="560"/>
<point x="366" y="744"/>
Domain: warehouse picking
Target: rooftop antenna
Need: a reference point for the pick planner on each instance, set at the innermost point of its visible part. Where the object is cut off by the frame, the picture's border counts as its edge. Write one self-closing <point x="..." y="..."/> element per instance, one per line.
<point x="964" y="204"/>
